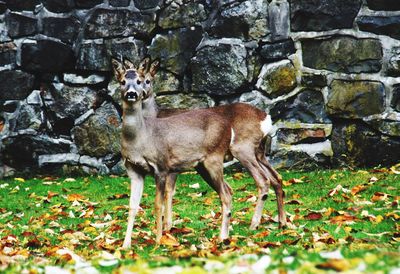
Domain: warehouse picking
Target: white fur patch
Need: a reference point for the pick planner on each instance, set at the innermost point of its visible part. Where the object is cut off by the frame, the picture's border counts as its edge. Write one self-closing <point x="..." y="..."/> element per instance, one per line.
<point x="232" y="136"/>
<point x="266" y="126"/>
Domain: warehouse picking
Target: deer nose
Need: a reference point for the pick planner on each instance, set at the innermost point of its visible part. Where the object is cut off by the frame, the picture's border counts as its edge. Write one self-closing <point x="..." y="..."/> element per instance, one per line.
<point x="131" y="96"/>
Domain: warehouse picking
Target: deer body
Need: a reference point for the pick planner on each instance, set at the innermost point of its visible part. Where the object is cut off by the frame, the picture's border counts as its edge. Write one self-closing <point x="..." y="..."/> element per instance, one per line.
<point x="249" y="126"/>
<point x="164" y="146"/>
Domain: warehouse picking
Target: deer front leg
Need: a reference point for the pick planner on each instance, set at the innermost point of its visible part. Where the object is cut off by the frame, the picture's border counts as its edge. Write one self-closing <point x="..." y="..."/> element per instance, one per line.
<point x="160" y="191"/>
<point x="137" y="181"/>
<point x="169" y="193"/>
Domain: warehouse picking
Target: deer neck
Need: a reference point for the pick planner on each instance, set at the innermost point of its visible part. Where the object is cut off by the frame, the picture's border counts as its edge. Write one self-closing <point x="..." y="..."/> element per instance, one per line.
<point x="150" y="108"/>
<point x="133" y="120"/>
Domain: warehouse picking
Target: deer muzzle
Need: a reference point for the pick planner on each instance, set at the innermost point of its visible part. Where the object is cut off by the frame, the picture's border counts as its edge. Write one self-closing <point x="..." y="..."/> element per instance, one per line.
<point x="131" y="96"/>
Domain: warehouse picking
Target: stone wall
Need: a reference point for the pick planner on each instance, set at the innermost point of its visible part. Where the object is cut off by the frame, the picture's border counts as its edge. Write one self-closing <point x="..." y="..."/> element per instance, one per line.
<point x="328" y="71"/>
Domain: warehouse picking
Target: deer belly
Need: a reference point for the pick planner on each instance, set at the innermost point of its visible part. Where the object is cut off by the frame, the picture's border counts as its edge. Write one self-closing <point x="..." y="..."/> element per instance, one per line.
<point x="183" y="163"/>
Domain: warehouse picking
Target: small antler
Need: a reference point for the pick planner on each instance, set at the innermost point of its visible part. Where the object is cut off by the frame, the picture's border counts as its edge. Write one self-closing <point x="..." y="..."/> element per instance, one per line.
<point x="128" y="64"/>
<point x="154" y="67"/>
<point x="144" y="65"/>
<point x="118" y="68"/>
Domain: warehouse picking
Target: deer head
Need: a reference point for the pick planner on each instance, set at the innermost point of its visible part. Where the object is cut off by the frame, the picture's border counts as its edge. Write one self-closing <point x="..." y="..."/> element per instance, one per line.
<point x="130" y="80"/>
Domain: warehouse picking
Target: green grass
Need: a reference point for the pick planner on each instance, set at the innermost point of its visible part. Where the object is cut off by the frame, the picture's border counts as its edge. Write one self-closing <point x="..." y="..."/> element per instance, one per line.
<point x="38" y="217"/>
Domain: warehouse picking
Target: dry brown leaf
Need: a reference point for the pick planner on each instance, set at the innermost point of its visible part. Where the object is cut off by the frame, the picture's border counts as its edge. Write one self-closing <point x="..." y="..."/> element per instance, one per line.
<point x="313" y="216"/>
<point x="357" y="189"/>
<point x="169" y="240"/>
<point x="335" y="264"/>
<point x="75" y="197"/>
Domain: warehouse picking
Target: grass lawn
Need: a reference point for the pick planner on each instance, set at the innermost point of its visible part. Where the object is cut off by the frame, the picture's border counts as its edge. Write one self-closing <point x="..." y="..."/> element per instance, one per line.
<point x="342" y="221"/>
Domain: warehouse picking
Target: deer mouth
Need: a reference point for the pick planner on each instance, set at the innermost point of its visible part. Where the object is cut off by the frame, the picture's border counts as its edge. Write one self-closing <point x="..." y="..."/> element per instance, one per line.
<point x="131" y="96"/>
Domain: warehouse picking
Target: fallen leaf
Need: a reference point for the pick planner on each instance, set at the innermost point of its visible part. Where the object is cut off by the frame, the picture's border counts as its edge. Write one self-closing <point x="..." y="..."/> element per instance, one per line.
<point x="238" y="176"/>
<point x="75" y="197"/>
<point x="335" y="264"/>
<point x="312" y="216"/>
<point x="343" y="219"/>
<point x="169" y="240"/>
<point x="357" y="189"/>
<point x="118" y="196"/>
<point x="379" y="196"/>
<point x="18" y="179"/>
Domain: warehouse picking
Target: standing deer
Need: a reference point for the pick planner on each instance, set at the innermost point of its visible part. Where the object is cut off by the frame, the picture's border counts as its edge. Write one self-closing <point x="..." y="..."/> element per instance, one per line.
<point x="161" y="146"/>
<point x="249" y="126"/>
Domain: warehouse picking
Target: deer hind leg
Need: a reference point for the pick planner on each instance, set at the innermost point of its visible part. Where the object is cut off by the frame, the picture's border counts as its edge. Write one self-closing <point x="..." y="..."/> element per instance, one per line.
<point x="276" y="184"/>
<point x="211" y="171"/>
<point x="245" y="154"/>
<point x="137" y="181"/>
<point x="160" y="191"/>
<point x="169" y="193"/>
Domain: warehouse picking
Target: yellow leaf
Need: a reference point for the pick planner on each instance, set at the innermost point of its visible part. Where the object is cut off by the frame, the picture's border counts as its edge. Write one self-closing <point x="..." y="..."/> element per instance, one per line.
<point x="238" y="176"/>
<point x="169" y="240"/>
<point x="378" y="219"/>
<point x="357" y="189"/>
<point x="22" y="180"/>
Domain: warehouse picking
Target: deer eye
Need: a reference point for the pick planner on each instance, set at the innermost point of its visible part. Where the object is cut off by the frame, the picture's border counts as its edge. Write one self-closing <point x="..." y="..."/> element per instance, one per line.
<point x="147" y="81"/>
<point x="138" y="82"/>
<point x="123" y="82"/>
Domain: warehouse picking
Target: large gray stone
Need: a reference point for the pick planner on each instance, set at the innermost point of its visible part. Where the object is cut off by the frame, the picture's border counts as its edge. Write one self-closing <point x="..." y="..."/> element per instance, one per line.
<point x="355" y="99"/>
<point x="64" y="28"/>
<point x="277" y="78"/>
<point x="107" y="23"/>
<point x="355" y="144"/>
<point x="278" y="51"/>
<point x="47" y="56"/>
<point x="294" y="136"/>
<point x="22" y="151"/>
<point x="175" y="48"/>
<point x="278" y="20"/>
<point x="307" y="107"/>
<point x="383" y="5"/>
<point x="19" y="25"/>
<point x="185" y="101"/>
<point x="15" y="85"/>
<point x="385" y="126"/>
<point x="395" y="104"/>
<point x="96" y="54"/>
<point x="71" y="102"/>
<point x="319" y="15"/>
<point x="393" y="63"/>
<point x="146" y="4"/>
<point x="58" y="6"/>
<point x="180" y="14"/>
<point x="313" y="80"/>
<point x="165" y="82"/>
<point x="343" y="54"/>
<point x="99" y="135"/>
<point x="299" y="160"/>
<point x="383" y="25"/>
<point x="87" y="4"/>
<point x="220" y="68"/>
<point x="8" y="54"/>
<point x="29" y="116"/>
<point x="246" y="20"/>
<point x="20" y="5"/>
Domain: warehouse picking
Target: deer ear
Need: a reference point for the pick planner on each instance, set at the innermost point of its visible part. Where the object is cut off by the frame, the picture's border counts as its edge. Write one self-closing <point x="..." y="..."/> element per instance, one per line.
<point x="128" y="64"/>
<point x="117" y="68"/>
<point x="154" y="67"/>
<point x="144" y="65"/>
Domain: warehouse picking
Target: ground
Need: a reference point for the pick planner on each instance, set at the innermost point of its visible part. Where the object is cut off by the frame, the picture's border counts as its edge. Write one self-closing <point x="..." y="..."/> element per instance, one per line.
<point x="342" y="220"/>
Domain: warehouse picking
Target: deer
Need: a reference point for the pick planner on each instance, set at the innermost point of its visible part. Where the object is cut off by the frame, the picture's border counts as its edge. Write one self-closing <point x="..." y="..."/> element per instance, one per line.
<point x="250" y="127"/>
<point x="160" y="146"/>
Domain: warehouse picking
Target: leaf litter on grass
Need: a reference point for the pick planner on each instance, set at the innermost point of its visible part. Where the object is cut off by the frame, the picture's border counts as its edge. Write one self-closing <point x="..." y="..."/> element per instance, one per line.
<point x="77" y="224"/>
